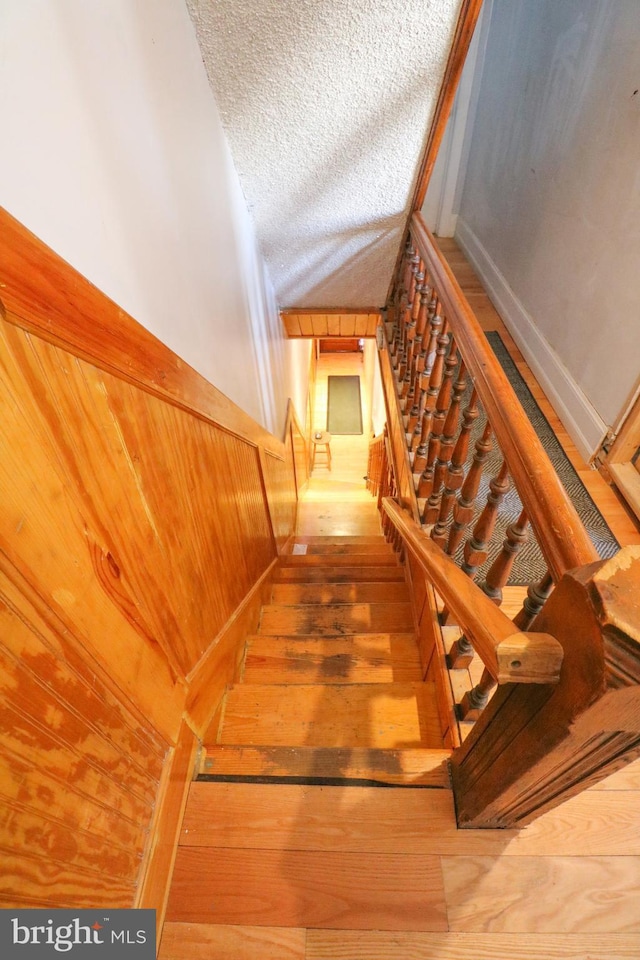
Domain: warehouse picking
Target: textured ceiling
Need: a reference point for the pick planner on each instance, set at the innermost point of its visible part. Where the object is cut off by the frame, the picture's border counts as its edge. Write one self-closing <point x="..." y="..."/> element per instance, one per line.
<point x="326" y="105"/>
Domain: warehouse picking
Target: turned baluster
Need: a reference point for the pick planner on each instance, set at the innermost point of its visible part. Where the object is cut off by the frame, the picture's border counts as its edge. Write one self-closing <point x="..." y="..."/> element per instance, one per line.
<point x="409" y="385"/>
<point x="474" y="701"/>
<point x="416" y="298"/>
<point x="394" y="339"/>
<point x="476" y="549"/>
<point x="398" y="344"/>
<point x="411" y="263"/>
<point x="416" y="433"/>
<point x="537" y="595"/>
<point x="414" y="400"/>
<point x="500" y="570"/>
<point x="423" y="320"/>
<point x="430" y="346"/>
<point x="427" y="451"/>
<point x="405" y="371"/>
<point x="448" y="436"/>
<point x="455" y="473"/>
<point x="463" y="509"/>
<point x="414" y="265"/>
<point x="434" y="380"/>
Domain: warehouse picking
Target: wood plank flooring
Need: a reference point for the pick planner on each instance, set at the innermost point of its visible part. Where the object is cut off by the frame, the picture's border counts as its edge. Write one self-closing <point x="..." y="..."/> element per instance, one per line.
<point x="306" y="856"/>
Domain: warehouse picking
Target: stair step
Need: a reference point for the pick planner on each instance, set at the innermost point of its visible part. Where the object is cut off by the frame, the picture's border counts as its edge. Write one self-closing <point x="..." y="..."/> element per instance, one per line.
<point x="387" y="715"/>
<point x="359" y="592"/>
<point x="364" y="540"/>
<point x="360" y="658"/>
<point x="377" y="545"/>
<point x="266" y="816"/>
<point x="405" y="767"/>
<point x="338" y="560"/>
<point x="335" y="619"/>
<point x="337" y="574"/>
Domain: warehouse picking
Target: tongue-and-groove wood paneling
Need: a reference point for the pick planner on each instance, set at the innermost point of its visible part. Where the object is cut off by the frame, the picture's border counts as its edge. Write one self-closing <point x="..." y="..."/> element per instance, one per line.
<point x="136" y="519"/>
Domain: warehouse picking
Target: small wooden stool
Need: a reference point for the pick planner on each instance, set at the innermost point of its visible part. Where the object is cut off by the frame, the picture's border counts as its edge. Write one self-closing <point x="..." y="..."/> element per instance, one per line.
<point x="322" y="440"/>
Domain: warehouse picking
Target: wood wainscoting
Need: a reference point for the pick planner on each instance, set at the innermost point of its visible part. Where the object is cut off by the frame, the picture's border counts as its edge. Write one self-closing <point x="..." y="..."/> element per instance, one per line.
<point x="137" y="518"/>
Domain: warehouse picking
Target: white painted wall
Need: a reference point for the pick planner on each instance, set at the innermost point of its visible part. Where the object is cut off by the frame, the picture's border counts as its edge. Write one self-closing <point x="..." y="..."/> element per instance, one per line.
<point x="550" y="211"/>
<point x="113" y="154"/>
<point x="442" y="200"/>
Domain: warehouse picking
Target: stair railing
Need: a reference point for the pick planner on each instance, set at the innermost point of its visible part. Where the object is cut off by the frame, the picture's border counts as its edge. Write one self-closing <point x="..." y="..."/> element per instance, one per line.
<point x="376" y="464"/>
<point x="436" y="350"/>
<point x="509" y="655"/>
<point x="535" y="743"/>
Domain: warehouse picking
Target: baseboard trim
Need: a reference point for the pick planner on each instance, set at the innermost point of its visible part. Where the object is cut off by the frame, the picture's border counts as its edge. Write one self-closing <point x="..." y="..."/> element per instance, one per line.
<point x="219" y="666"/>
<point x="159" y="858"/>
<point x="582" y="422"/>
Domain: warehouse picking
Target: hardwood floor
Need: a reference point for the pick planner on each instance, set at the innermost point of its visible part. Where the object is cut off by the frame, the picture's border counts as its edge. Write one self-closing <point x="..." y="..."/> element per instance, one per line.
<point x="336" y="501"/>
<point x="371" y="873"/>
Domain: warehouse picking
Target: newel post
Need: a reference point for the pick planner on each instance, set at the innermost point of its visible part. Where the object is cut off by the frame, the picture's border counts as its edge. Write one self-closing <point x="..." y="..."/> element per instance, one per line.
<point x="535" y="746"/>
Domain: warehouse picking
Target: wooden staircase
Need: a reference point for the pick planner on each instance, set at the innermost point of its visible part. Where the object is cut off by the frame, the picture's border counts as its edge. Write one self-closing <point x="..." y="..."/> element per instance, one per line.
<point x="287" y="825"/>
<point x="334" y="665"/>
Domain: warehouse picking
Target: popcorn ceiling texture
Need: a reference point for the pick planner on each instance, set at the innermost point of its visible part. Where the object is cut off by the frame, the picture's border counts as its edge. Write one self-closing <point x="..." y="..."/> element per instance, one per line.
<point x="326" y="105"/>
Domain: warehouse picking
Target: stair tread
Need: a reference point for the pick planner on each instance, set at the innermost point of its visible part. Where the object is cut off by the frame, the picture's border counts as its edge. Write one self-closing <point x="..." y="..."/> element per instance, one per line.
<point x="333" y="619"/>
<point x="337" y="574"/>
<point x="338" y="715"/>
<point x="379" y="546"/>
<point x="354" y="592"/>
<point x="363" y="658"/>
<point x="365" y="559"/>
<point x="418" y="766"/>
<point x="336" y="538"/>
<point x="315" y="817"/>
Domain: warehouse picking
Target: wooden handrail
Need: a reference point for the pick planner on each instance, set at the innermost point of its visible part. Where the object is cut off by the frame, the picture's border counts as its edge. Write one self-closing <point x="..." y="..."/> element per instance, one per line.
<point x="510" y="655"/>
<point x="560" y="532"/>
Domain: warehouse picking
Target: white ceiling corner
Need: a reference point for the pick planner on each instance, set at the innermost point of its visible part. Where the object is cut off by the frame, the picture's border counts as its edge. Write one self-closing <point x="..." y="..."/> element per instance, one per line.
<point x="326" y="105"/>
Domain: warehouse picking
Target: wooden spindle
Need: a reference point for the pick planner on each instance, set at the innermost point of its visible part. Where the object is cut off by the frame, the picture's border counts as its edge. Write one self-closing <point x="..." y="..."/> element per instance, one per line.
<point x="411" y="263"/>
<point x="416" y="299"/>
<point x="423" y="311"/>
<point x="461" y="654"/>
<point x="414" y="400"/>
<point x="476" y="549"/>
<point x="416" y="433"/>
<point x="463" y="509"/>
<point x="431" y="343"/>
<point x="537" y="595"/>
<point x="448" y="436"/>
<point x="455" y="473"/>
<point x="430" y="373"/>
<point x="500" y="570"/>
<point x="404" y="370"/>
<point x="474" y="701"/>
<point x="436" y="382"/>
